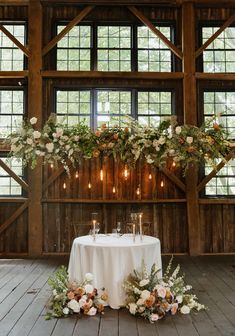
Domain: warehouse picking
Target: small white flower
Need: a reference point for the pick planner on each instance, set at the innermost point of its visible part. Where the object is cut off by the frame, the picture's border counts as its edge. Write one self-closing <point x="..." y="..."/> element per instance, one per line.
<point x="89" y="277"/>
<point x="143" y="282"/>
<point x="50" y="147"/>
<point x="171" y="152"/>
<point x="154" y="317"/>
<point x="36" y="134"/>
<point x="89" y="288"/>
<point x="145" y="294"/>
<point x="29" y="141"/>
<point x="132" y="308"/>
<point x="66" y="311"/>
<point x="141" y="309"/>
<point x="59" y="132"/>
<point x="76" y="137"/>
<point x="73" y="304"/>
<point x="161" y="140"/>
<point x="33" y="120"/>
<point x="178" y="130"/>
<point x="189" y="140"/>
<point x="185" y="309"/>
<point x="179" y="298"/>
<point x="137" y="291"/>
<point x="140" y="302"/>
<point x="54" y="292"/>
<point x="169" y="136"/>
<point x="92" y="311"/>
<point x="67" y="147"/>
<point x="13" y="148"/>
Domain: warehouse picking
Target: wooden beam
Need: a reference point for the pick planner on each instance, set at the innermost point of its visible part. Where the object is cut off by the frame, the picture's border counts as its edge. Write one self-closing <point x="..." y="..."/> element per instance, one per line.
<point x="190" y="117"/>
<point x="119" y="201"/>
<point x="52" y="178"/>
<point x="215" y="35"/>
<point x="156" y="31"/>
<point x="14" y="2"/>
<point x="35" y="110"/>
<point x="14" y="74"/>
<point x="174" y="179"/>
<point x="71" y="24"/>
<point x="215" y="76"/>
<point x="13" y="217"/>
<point x="19" y="180"/>
<point x="14" y="40"/>
<point x="215" y="171"/>
<point x="112" y="74"/>
<point x="12" y="199"/>
<point x="216" y="201"/>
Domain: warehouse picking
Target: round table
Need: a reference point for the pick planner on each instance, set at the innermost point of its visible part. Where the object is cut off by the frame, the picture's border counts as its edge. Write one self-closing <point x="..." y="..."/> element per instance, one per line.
<point x="111" y="258"/>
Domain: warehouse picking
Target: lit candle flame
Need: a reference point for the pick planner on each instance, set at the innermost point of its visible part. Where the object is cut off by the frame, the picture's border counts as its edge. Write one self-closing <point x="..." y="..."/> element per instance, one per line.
<point x="162" y="184"/>
<point x="64" y="185"/>
<point x="138" y="191"/>
<point x="125" y="172"/>
<point x="173" y="164"/>
<point x="76" y="175"/>
<point x="101" y="175"/>
<point x="150" y="176"/>
<point x="114" y="189"/>
<point x="89" y="185"/>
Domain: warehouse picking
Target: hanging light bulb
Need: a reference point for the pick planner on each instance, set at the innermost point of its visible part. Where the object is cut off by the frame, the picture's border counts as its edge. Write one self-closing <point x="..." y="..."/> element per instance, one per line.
<point x="64" y="185"/>
<point x="173" y="164"/>
<point x="162" y="184"/>
<point x="51" y="165"/>
<point x="150" y="176"/>
<point x="125" y="173"/>
<point x="101" y="174"/>
<point x="114" y="190"/>
<point x="89" y="185"/>
<point x="138" y="191"/>
<point x="76" y="175"/>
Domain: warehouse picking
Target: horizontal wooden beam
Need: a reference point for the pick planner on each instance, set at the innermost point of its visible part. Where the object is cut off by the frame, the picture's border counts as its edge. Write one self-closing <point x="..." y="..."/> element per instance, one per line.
<point x="215" y="76"/>
<point x="134" y="2"/>
<point x="21" y="182"/>
<point x="71" y="24"/>
<point x="14" y="74"/>
<point x="216" y="201"/>
<point x="14" y="2"/>
<point x="15" y="41"/>
<point x="13" y="199"/>
<point x="112" y="74"/>
<point x="121" y="201"/>
<point x="215" y="35"/>
<point x="156" y="31"/>
<point x="213" y="173"/>
<point x="13" y="217"/>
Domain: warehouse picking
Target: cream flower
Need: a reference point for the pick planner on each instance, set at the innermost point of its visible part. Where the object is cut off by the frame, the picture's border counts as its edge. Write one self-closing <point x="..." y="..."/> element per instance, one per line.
<point x="50" y="147"/>
<point x="189" y="140"/>
<point x="33" y="120"/>
<point x="132" y="308"/>
<point x="89" y="288"/>
<point x="185" y="309"/>
<point x="161" y="291"/>
<point x="178" y="130"/>
<point x="89" y="277"/>
<point x="154" y="317"/>
<point x="29" y="141"/>
<point x="73" y="304"/>
<point x="66" y="311"/>
<point x="143" y="282"/>
<point x="145" y="294"/>
<point x="92" y="311"/>
<point x="36" y="134"/>
<point x="179" y="298"/>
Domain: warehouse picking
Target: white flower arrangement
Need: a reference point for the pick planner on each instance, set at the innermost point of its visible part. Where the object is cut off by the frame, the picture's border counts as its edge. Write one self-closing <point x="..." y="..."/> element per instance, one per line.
<point x="153" y="298"/>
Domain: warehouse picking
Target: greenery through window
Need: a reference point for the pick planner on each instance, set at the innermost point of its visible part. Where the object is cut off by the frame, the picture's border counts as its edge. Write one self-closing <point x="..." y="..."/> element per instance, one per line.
<point x="8" y="186"/>
<point x="114" y="48"/>
<point x="219" y="55"/>
<point x="11" y="111"/>
<point x="11" y="57"/>
<point x="215" y="103"/>
<point x="98" y="106"/>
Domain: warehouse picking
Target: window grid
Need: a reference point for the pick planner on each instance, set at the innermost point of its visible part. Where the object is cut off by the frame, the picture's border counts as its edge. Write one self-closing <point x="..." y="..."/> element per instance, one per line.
<point x="11" y="57"/>
<point x="219" y="55"/>
<point x="11" y="111"/>
<point x="8" y="186"/>
<point x="74" y="49"/>
<point x="216" y="102"/>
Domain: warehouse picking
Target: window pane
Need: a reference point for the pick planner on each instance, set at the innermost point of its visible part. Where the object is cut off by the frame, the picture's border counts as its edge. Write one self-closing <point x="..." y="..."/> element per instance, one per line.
<point x="8" y="186"/>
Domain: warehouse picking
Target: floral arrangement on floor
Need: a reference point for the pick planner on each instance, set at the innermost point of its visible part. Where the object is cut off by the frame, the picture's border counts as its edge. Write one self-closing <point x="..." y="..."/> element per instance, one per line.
<point x="69" y="297"/>
<point x="153" y="298"/>
<point x="58" y="143"/>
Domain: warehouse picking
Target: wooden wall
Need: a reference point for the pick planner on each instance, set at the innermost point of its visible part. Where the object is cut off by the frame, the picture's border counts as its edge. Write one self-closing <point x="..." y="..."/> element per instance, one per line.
<point x="52" y="216"/>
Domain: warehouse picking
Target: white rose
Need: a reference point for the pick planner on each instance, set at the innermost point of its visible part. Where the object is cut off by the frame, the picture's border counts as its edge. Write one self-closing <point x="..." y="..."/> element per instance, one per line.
<point x="89" y="277"/>
<point x="33" y="120"/>
<point x="137" y="291"/>
<point x="50" y="147"/>
<point x="162" y="140"/>
<point x="185" y="310"/>
<point x="92" y="311"/>
<point x="36" y="134"/>
<point x="179" y="298"/>
<point x="143" y="282"/>
<point x="29" y="141"/>
<point x="145" y="294"/>
<point x="178" y="130"/>
<point x="140" y="302"/>
<point x="65" y="311"/>
<point x="132" y="308"/>
<point x="171" y="151"/>
<point x="161" y="291"/>
<point x="189" y="140"/>
<point x="81" y="302"/>
<point x="73" y="304"/>
<point x="89" y="288"/>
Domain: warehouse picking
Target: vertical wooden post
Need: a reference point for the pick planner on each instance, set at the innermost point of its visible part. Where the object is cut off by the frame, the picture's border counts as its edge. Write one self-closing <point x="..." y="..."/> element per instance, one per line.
<point x="190" y="117"/>
<point x="35" y="110"/>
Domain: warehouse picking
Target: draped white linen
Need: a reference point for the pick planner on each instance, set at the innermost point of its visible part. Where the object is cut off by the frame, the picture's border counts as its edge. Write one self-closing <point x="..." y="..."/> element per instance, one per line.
<point x="110" y="259"/>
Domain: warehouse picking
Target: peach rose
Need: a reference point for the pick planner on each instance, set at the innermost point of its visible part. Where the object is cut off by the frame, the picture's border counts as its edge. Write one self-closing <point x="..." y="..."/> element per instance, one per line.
<point x="79" y="291"/>
<point x="70" y="295"/>
<point x="115" y="136"/>
<point x="174" y="308"/>
<point x="149" y="301"/>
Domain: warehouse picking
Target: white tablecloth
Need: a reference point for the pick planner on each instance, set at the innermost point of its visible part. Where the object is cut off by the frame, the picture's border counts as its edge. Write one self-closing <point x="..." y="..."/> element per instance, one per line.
<point x="110" y="259"/>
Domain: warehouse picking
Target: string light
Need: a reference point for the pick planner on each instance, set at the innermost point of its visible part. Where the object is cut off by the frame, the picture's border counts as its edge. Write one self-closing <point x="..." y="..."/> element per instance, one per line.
<point x="64" y="185"/>
<point x="150" y="176"/>
<point x="138" y="191"/>
<point x="162" y="184"/>
<point x="89" y="185"/>
<point x="76" y="175"/>
<point x="101" y="175"/>
<point x="114" y="189"/>
<point x="125" y="173"/>
<point x="51" y="165"/>
<point x="173" y="164"/>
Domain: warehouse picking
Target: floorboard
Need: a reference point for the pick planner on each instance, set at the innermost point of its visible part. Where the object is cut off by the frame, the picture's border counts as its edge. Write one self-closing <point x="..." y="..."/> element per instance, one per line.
<point x="24" y="292"/>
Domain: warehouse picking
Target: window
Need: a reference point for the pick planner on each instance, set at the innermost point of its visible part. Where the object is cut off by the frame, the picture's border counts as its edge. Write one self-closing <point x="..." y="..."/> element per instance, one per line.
<point x="8" y="186"/>
<point x="98" y="106"/>
<point x="74" y="49"/>
<point x="11" y="110"/>
<point x="114" y="48"/>
<point x="216" y="102"/>
<point x="11" y="57"/>
<point x="219" y="55"/>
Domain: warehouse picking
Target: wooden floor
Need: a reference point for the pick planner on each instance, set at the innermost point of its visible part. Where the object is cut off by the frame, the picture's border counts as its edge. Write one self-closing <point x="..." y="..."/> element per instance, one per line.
<point x="24" y="293"/>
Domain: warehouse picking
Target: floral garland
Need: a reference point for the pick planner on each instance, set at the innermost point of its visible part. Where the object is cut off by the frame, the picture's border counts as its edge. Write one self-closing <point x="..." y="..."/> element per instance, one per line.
<point x="69" y="297"/>
<point x="58" y="143"/>
<point x="153" y="298"/>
